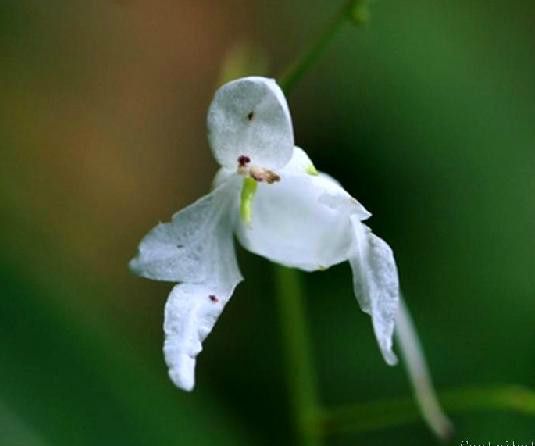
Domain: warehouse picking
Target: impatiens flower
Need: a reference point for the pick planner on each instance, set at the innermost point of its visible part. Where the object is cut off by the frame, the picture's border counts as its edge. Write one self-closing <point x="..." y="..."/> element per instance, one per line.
<point x="268" y="195"/>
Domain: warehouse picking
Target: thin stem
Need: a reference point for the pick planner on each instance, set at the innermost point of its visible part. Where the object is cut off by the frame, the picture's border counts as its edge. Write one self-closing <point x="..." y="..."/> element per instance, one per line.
<point x="301" y="376"/>
<point x="297" y="70"/>
<point x="390" y="413"/>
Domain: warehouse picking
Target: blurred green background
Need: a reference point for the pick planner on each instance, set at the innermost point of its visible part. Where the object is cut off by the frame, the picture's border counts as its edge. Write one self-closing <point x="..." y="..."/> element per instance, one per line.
<point x="427" y="116"/>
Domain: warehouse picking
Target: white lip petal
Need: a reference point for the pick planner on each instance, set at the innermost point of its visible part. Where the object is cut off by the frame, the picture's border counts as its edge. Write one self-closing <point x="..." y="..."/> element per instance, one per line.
<point x="291" y="226"/>
<point x="302" y="221"/>
<point x="190" y="314"/>
<point x="375" y="279"/>
<point x="250" y="117"/>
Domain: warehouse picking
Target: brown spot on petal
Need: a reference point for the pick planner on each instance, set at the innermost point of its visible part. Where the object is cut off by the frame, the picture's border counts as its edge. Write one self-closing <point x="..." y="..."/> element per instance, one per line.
<point x="243" y="160"/>
<point x="213" y="298"/>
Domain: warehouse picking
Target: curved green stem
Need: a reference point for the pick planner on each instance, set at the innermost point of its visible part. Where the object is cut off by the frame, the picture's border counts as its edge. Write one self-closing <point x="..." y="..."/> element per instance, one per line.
<point x="352" y="9"/>
<point x="392" y="413"/>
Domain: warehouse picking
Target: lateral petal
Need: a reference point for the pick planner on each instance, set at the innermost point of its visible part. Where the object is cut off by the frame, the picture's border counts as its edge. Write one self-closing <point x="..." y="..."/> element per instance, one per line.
<point x="184" y="250"/>
<point x="375" y="281"/>
<point x="190" y="314"/>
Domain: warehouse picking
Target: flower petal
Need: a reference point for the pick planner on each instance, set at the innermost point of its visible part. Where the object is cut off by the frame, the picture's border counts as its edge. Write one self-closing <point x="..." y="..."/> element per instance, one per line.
<point x="333" y="194"/>
<point x="197" y="248"/>
<point x="190" y="314"/>
<point x="292" y="225"/>
<point x="303" y="220"/>
<point x="249" y="117"/>
<point x="184" y="250"/>
<point x="375" y="280"/>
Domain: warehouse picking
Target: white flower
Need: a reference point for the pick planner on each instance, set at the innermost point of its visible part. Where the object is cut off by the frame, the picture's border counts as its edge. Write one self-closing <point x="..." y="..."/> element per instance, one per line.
<point x="271" y="197"/>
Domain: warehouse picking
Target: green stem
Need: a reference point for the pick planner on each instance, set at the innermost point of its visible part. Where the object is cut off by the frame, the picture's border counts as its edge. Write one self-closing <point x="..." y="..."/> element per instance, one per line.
<point x="390" y="413"/>
<point x="301" y="377"/>
<point x="297" y="70"/>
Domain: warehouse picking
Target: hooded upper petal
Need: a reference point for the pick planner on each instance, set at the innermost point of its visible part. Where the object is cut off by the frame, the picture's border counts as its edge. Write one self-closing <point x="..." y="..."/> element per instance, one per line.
<point x="249" y="117"/>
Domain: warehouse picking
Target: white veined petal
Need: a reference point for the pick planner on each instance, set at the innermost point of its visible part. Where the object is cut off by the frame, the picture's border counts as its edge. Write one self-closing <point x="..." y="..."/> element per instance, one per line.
<point x="250" y="117"/>
<point x="293" y="222"/>
<point x="375" y="280"/>
<point x="190" y="314"/>
<point x="184" y="250"/>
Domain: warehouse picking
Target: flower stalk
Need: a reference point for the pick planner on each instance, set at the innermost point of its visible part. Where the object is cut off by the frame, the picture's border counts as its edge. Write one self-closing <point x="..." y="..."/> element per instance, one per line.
<point x="301" y="378"/>
<point x="354" y="11"/>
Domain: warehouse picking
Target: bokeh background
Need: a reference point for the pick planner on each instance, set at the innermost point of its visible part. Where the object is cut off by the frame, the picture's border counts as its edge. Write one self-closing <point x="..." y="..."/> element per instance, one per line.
<point x="427" y="116"/>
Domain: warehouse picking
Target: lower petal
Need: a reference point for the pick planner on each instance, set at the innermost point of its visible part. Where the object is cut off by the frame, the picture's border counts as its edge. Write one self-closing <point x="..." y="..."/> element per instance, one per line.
<point x="190" y="314"/>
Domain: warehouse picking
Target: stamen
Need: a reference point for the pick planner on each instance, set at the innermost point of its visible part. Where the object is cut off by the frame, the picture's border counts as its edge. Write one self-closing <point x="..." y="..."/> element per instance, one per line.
<point x="266" y="175"/>
<point x="258" y="174"/>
